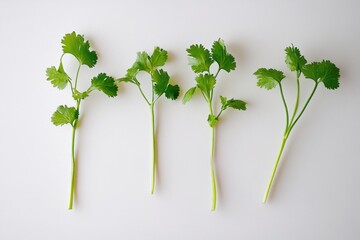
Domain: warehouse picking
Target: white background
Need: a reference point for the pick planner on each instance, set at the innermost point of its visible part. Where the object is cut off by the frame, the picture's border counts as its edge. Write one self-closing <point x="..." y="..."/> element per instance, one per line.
<point x="317" y="190"/>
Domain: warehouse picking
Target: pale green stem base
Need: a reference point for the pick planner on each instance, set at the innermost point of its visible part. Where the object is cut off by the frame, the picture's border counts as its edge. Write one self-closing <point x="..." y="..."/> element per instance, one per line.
<point x="213" y="175"/>
<point x="287" y="132"/>
<point x="73" y="169"/>
<point x="274" y="169"/>
<point x="154" y="162"/>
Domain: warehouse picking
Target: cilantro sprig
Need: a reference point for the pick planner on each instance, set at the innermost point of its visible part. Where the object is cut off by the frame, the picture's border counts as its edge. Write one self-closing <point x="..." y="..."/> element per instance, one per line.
<point x="200" y="60"/>
<point x="77" y="46"/>
<point x="160" y="85"/>
<point x="320" y="72"/>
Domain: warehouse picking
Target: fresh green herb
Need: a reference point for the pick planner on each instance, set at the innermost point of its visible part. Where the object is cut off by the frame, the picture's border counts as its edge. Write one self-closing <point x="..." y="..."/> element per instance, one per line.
<point x="76" y="45"/>
<point x="320" y="72"/>
<point x="200" y="60"/>
<point x="159" y="85"/>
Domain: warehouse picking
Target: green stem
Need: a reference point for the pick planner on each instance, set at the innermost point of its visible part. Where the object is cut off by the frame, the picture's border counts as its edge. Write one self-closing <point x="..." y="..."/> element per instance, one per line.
<point x="71" y="86"/>
<point x="73" y="169"/>
<point x="275" y="168"/>
<point x="286" y="135"/>
<point x="297" y="98"/>
<point x="206" y="99"/>
<point x="217" y="73"/>
<point x="212" y="91"/>
<point x="213" y="176"/>
<point x="72" y="186"/>
<point x="220" y="113"/>
<point x="157" y="98"/>
<point x="142" y="93"/>
<point x="77" y="75"/>
<point x="303" y="109"/>
<point x="154" y="162"/>
<point x="74" y="125"/>
<point x="212" y="163"/>
<point x="285" y="105"/>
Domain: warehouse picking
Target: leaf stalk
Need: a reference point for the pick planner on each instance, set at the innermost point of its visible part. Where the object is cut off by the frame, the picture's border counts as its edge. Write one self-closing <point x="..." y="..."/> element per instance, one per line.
<point x="154" y="161"/>
<point x="289" y="126"/>
<point x="73" y="168"/>
<point x="212" y="164"/>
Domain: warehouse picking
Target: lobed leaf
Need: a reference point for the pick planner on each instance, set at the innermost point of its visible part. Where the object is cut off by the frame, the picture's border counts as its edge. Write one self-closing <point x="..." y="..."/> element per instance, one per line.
<point x="158" y="58"/>
<point x="104" y="83"/>
<point x="325" y="72"/>
<point x="219" y="53"/>
<point x="294" y="60"/>
<point x="232" y="103"/>
<point x="57" y="77"/>
<point x="161" y="79"/>
<point x="237" y="104"/>
<point x="310" y="71"/>
<point x="76" y="45"/>
<point x="64" y="115"/>
<point x="268" y="78"/>
<point x="172" y="92"/>
<point x="223" y="101"/>
<point x="142" y="62"/>
<point x="132" y="72"/>
<point x="206" y="83"/>
<point x="199" y="58"/>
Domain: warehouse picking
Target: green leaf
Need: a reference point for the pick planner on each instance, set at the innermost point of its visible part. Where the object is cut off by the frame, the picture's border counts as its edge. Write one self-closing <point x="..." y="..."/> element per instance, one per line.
<point x="232" y="103"/>
<point x="236" y="104"/>
<point x="158" y="58"/>
<point x="310" y="71"/>
<point x="268" y="78"/>
<point x="329" y="74"/>
<point x="325" y="72"/>
<point x="172" y="92"/>
<point x="57" y="77"/>
<point x="80" y="95"/>
<point x="188" y="95"/>
<point x="206" y="83"/>
<point x="199" y="58"/>
<point x="64" y="115"/>
<point x="294" y="60"/>
<point x="212" y="120"/>
<point x="104" y="83"/>
<point x="223" y="101"/>
<point x="132" y="72"/>
<point x="76" y="45"/>
<point x="142" y="62"/>
<point x="225" y="60"/>
<point x="161" y="79"/>
<point x="130" y="76"/>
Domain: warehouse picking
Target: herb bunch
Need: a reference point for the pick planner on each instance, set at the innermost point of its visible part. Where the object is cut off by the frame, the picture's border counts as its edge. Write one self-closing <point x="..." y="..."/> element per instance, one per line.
<point x="77" y="46"/>
<point x="160" y="85"/>
<point x="200" y="60"/>
<point x="320" y="72"/>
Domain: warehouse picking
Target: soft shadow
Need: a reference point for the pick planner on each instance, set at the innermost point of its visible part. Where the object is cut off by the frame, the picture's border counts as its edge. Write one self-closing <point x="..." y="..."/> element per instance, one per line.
<point x="171" y="56"/>
<point x="240" y="53"/>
